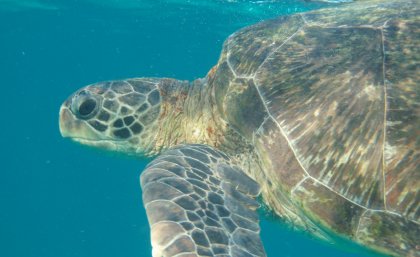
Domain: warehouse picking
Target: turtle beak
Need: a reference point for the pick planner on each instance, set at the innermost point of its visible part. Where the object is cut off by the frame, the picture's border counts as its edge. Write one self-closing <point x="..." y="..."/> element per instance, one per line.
<point x="72" y="127"/>
<point x="79" y="131"/>
<point x="65" y="122"/>
<point x="64" y="119"/>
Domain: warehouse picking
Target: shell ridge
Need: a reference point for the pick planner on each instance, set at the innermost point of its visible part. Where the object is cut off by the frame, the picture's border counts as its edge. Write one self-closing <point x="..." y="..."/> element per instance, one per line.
<point x="276" y="49"/>
<point x="385" y="114"/>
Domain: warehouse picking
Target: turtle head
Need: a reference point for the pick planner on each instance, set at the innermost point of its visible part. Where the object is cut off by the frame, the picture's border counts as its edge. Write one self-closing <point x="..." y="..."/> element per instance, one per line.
<point x="117" y="115"/>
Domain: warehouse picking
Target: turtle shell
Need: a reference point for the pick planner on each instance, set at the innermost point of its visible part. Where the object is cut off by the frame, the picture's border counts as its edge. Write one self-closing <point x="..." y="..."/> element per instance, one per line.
<point x="330" y="99"/>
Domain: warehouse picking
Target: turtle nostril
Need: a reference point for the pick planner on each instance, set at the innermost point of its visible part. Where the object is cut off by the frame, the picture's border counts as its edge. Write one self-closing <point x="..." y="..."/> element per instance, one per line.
<point x="87" y="107"/>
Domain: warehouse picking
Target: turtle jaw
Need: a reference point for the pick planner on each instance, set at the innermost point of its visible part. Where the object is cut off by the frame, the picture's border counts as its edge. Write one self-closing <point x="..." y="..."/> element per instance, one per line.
<point x="64" y="124"/>
<point x="80" y="131"/>
<point x="72" y="127"/>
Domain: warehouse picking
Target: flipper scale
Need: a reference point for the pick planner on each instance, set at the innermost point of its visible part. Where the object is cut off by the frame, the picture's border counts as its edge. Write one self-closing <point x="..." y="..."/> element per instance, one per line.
<point x="200" y="204"/>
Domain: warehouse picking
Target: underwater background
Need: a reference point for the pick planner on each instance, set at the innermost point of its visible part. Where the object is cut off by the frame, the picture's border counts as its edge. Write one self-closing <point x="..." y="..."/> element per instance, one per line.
<point x="60" y="199"/>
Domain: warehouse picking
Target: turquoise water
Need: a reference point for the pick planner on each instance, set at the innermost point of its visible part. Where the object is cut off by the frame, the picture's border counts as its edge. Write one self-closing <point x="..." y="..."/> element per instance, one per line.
<point x="60" y="199"/>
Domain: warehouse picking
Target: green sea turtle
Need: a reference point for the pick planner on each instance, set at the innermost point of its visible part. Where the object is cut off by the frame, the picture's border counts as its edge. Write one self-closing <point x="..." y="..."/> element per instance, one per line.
<point x="316" y="112"/>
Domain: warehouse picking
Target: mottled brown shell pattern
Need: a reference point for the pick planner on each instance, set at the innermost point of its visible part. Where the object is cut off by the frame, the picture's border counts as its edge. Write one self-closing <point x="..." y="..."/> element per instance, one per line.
<point x="330" y="99"/>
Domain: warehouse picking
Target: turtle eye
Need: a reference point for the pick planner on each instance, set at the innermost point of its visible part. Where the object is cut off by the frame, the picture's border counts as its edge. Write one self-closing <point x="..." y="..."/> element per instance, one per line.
<point x="87" y="107"/>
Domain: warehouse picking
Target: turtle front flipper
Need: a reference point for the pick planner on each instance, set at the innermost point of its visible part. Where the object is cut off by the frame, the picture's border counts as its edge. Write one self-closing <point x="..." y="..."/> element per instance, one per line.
<point x="199" y="204"/>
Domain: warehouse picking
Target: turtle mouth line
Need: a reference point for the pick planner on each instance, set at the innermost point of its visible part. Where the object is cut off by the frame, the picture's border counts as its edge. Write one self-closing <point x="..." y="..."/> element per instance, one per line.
<point x="83" y="140"/>
<point x="93" y="141"/>
<point x="101" y="143"/>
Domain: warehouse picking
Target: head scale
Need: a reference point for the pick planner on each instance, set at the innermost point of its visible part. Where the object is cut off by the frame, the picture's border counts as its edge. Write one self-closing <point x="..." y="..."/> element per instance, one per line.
<point x="117" y="115"/>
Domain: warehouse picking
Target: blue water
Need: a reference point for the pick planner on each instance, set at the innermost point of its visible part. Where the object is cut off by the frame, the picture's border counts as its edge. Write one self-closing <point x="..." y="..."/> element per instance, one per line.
<point x="60" y="199"/>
